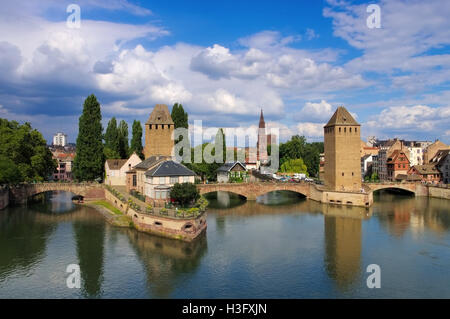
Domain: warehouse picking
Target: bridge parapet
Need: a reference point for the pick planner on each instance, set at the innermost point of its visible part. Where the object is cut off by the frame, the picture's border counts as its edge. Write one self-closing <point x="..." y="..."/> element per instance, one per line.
<point x="253" y="190"/>
<point x="21" y="193"/>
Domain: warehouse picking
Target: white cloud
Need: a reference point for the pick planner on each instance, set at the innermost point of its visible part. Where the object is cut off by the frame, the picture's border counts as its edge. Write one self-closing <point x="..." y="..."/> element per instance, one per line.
<point x="321" y="111"/>
<point x="401" y="48"/>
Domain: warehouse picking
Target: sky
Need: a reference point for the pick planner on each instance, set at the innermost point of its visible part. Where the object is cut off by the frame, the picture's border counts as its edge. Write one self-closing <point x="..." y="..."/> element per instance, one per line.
<point x="227" y="60"/>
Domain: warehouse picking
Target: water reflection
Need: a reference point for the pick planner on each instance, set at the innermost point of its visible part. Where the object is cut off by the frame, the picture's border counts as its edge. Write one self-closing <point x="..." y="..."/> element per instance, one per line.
<point x="343" y="235"/>
<point x="166" y="261"/>
<point x="415" y="214"/>
<point x="247" y="241"/>
<point x="23" y="241"/>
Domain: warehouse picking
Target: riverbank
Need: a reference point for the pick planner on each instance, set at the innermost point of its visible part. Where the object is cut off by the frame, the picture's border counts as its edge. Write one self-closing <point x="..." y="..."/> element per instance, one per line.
<point x="112" y="215"/>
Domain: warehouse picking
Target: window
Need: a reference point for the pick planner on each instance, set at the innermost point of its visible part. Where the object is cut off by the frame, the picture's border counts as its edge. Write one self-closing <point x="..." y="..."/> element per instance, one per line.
<point x="345" y="130"/>
<point x="342" y="174"/>
<point x="162" y="180"/>
<point x="173" y="179"/>
<point x="356" y="130"/>
<point x="134" y="180"/>
<point x="350" y="130"/>
<point x="353" y="174"/>
<point x="185" y="179"/>
<point x="339" y="130"/>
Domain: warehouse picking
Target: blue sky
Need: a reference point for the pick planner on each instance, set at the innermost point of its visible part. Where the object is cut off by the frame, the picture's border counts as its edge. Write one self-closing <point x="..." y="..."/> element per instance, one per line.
<point x="224" y="60"/>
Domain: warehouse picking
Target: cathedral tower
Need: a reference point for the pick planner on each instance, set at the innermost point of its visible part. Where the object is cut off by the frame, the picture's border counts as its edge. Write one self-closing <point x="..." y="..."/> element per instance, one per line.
<point x="261" y="145"/>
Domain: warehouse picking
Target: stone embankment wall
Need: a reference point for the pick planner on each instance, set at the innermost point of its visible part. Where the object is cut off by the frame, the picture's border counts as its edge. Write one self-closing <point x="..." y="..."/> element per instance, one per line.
<point x="179" y="228"/>
<point x="340" y="198"/>
<point x="439" y="192"/>
<point x="4" y="197"/>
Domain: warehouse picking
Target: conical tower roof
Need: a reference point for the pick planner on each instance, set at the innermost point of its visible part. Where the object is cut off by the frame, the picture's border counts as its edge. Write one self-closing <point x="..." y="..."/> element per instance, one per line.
<point x="262" y="124"/>
<point x="341" y="117"/>
<point x="160" y="115"/>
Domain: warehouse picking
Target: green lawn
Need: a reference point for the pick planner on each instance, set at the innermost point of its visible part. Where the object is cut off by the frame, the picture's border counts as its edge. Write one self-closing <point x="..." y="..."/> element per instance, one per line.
<point x="108" y="206"/>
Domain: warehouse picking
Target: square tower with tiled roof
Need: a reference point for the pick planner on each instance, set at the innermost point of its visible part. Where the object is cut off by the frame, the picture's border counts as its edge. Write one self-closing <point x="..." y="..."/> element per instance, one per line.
<point x="159" y="132"/>
<point x="342" y="137"/>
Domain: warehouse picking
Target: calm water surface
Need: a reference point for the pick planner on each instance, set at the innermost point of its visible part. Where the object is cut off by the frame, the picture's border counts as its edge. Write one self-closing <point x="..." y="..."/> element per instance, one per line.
<point x="281" y="246"/>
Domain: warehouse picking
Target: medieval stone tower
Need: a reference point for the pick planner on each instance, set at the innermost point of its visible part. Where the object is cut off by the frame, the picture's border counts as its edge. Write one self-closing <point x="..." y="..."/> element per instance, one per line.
<point x="342" y="152"/>
<point x="158" y="132"/>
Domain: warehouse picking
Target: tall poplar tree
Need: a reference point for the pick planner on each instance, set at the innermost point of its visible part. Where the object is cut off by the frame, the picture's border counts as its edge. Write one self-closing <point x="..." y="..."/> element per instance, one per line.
<point x="123" y="139"/>
<point x="180" y="119"/>
<point x="136" y="139"/>
<point x="89" y="159"/>
<point x="112" y="140"/>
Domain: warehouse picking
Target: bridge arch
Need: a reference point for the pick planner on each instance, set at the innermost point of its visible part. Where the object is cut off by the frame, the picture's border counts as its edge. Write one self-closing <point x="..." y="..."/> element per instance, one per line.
<point x="21" y="193"/>
<point x="225" y="191"/>
<point x="409" y="188"/>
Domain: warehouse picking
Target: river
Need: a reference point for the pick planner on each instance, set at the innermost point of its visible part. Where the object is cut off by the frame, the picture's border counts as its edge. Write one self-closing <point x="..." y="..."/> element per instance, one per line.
<point x="281" y="246"/>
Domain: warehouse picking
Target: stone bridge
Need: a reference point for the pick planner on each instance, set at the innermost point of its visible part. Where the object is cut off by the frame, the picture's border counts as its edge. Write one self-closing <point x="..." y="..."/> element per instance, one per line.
<point x="409" y="187"/>
<point x="252" y="190"/>
<point x="90" y="191"/>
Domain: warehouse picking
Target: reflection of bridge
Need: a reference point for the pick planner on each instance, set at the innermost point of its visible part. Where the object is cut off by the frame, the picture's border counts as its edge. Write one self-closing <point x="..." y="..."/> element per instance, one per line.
<point x="21" y="193"/>
<point x="253" y="190"/>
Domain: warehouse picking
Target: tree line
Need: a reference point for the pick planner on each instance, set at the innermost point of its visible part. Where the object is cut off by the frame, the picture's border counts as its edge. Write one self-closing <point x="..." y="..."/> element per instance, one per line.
<point x="24" y="156"/>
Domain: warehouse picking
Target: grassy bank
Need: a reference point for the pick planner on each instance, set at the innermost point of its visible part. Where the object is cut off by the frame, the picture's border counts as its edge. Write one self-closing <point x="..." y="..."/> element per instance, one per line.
<point x="109" y="206"/>
<point x="113" y="215"/>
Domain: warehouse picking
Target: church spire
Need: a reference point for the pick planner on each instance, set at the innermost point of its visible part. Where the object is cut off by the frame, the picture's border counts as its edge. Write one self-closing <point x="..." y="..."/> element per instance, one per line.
<point x="262" y="124"/>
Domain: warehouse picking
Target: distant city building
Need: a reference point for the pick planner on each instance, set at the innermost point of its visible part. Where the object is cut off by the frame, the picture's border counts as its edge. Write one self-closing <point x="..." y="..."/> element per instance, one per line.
<point x="158" y="132"/>
<point x="342" y="139"/>
<point x="386" y="148"/>
<point x="115" y="169"/>
<point x="397" y="163"/>
<point x="432" y="150"/>
<point x="59" y="139"/>
<point x="228" y="171"/>
<point x="63" y="171"/>
<point x="366" y="165"/>
<point x="428" y="173"/>
<point x="442" y="162"/>
<point x="160" y="179"/>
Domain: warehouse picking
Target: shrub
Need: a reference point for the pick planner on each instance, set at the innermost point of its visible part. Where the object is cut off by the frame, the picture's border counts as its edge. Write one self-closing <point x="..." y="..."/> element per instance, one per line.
<point x="184" y="193"/>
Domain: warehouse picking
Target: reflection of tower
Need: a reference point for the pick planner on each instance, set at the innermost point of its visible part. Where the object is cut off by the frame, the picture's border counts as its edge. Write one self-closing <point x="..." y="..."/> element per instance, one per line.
<point x="342" y="152"/>
<point x="342" y="248"/>
<point x="158" y="132"/>
<point x="90" y="245"/>
<point x="166" y="260"/>
<point x="223" y="198"/>
<point x="261" y="145"/>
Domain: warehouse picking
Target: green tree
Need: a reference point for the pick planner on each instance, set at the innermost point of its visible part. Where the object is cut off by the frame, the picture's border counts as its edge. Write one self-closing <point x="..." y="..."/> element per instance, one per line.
<point x="112" y="139"/>
<point x="180" y="120"/>
<point x="294" y="166"/>
<point x="123" y="140"/>
<point x="184" y="193"/>
<point x="179" y="116"/>
<point x="136" y="139"/>
<point x="89" y="160"/>
<point x="9" y="172"/>
<point x="27" y="149"/>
